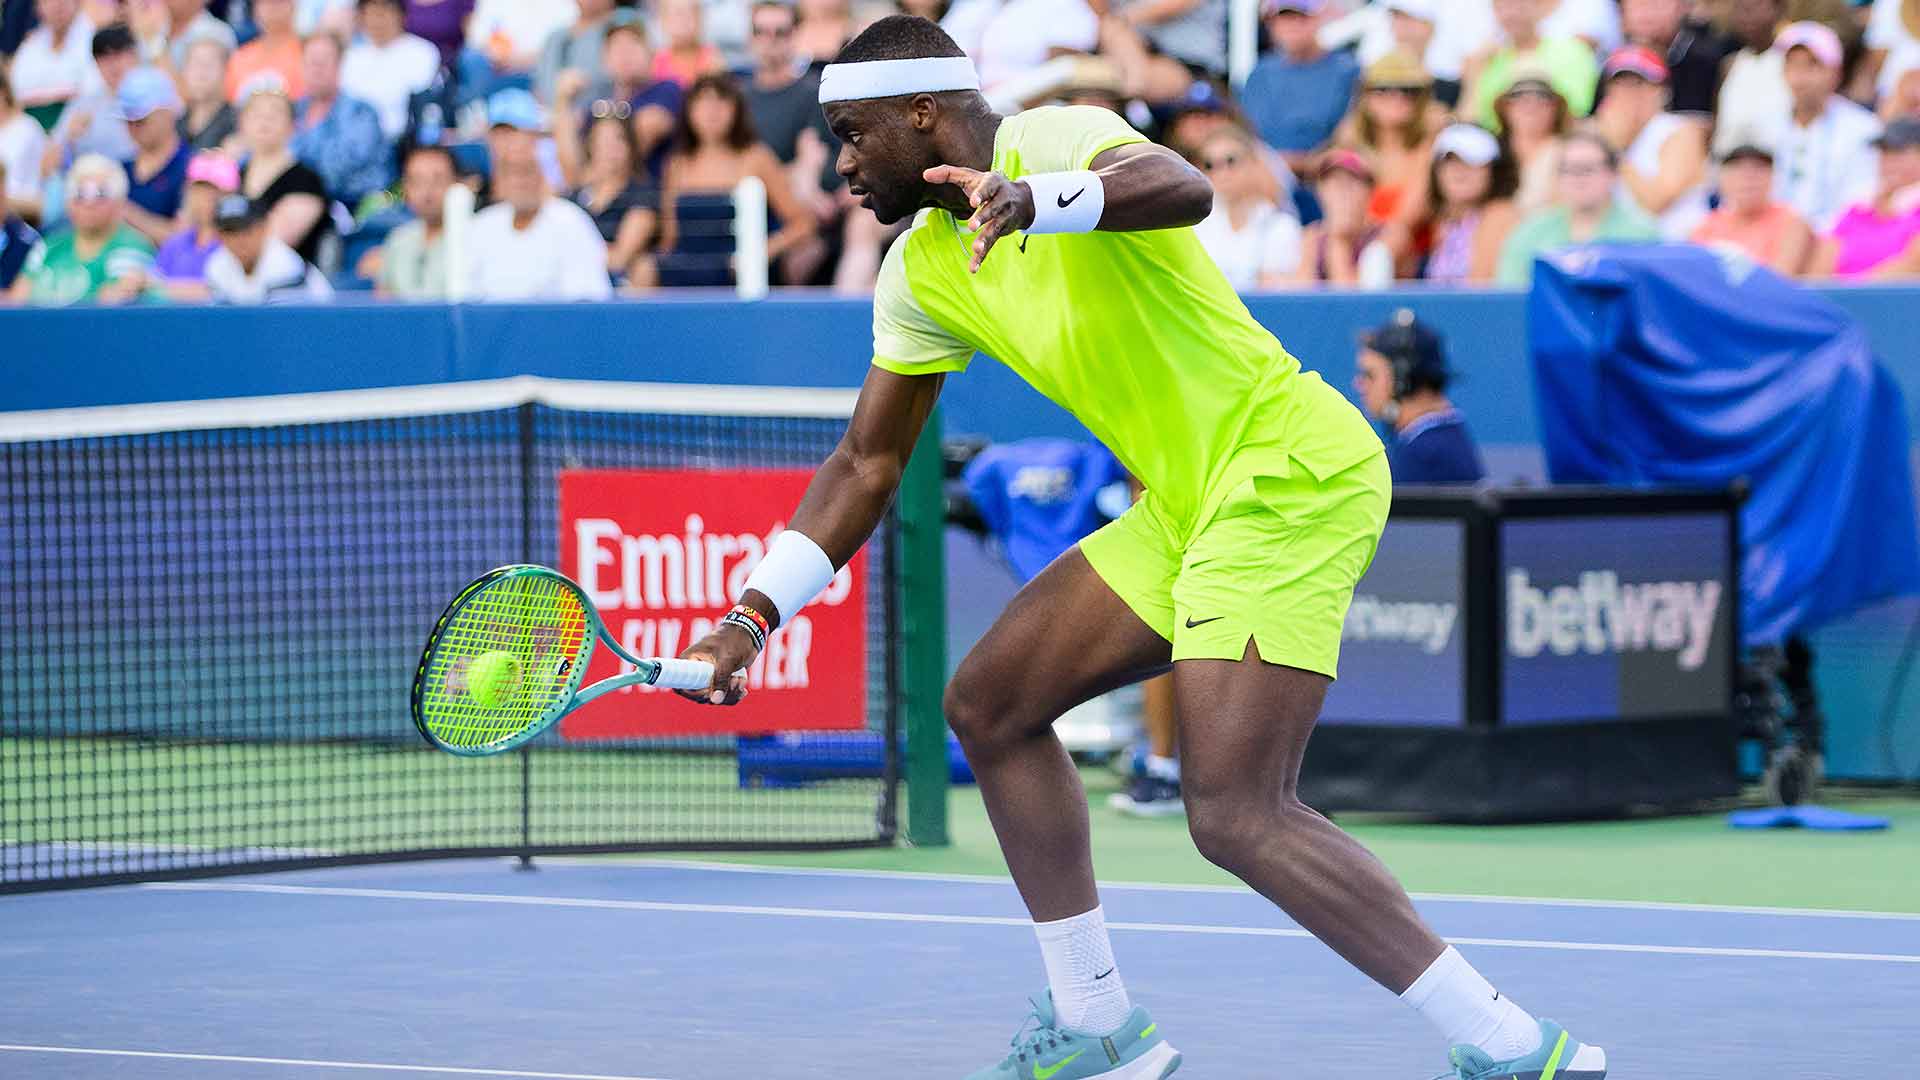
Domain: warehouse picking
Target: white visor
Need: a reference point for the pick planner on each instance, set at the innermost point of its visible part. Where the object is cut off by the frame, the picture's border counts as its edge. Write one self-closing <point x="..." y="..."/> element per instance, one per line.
<point x="893" y="78"/>
<point x="1470" y="143"/>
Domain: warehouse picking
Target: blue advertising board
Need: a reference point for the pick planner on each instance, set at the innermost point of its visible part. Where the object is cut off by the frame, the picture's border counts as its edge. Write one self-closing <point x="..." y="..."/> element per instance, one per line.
<point x="1402" y="652"/>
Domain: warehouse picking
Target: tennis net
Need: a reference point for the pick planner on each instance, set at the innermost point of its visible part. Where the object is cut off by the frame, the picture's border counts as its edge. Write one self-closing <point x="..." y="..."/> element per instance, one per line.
<point x="213" y="612"/>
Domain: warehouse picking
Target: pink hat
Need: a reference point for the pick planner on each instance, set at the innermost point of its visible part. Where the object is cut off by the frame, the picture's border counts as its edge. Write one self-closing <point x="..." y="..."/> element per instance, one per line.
<point x="1817" y="38"/>
<point x="1636" y="60"/>
<point x="217" y="169"/>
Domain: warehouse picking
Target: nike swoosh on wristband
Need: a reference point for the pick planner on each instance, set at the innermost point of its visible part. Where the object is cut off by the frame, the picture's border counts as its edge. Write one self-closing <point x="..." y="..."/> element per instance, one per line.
<point x="1046" y="1072"/>
<point x="1066" y="202"/>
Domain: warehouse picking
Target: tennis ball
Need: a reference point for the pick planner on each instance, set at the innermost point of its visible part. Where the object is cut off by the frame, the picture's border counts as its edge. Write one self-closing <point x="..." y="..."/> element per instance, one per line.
<point x="493" y="678"/>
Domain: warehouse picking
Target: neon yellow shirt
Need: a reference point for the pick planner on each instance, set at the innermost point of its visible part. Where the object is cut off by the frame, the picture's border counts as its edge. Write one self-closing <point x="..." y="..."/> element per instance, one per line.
<point x="1138" y="334"/>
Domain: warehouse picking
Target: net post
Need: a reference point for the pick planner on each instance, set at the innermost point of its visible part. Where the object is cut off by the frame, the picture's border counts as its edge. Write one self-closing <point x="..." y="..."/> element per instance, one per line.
<point x="529" y="491"/>
<point x="923" y="640"/>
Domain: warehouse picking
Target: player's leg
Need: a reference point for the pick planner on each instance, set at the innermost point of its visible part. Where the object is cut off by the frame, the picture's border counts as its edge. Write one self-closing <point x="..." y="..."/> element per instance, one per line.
<point x="1249" y="685"/>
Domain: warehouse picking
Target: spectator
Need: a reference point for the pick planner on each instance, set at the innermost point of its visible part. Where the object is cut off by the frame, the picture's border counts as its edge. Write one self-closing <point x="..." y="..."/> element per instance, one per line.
<point x="652" y="105"/>
<point x="254" y="266"/>
<point x="97" y="257"/>
<point x="290" y="194"/>
<point x="1345" y="247"/>
<point x="1023" y="34"/>
<point x="1880" y="237"/>
<point x="1469" y="206"/>
<point x="184" y="22"/>
<point x="277" y="50"/>
<point x="208" y="118"/>
<point x="1534" y="118"/>
<point x="54" y="64"/>
<point x="517" y="125"/>
<point x="1402" y="377"/>
<point x="1393" y="126"/>
<point x="1754" y="99"/>
<point x="578" y="47"/>
<point x="312" y="17"/>
<point x="1585" y="212"/>
<point x="442" y="24"/>
<point x="1825" y="154"/>
<point x="385" y="66"/>
<point x="90" y="124"/>
<point x="17" y="240"/>
<point x="412" y="264"/>
<point x="337" y="136"/>
<point x="623" y="208"/>
<point x="686" y="55"/>
<point x="714" y="148"/>
<point x="532" y="246"/>
<point x="1255" y="242"/>
<point x="1893" y="45"/>
<point x="1567" y="61"/>
<point x="1904" y="98"/>
<point x="1750" y="221"/>
<point x="782" y="97"/>
<point x="1162" y="45"/>
<point x="181" y="262"/>
<point x="157" y="173"/>
<point x="1407" y="26"/>
<point x="1297" y="94"/>
<point x="1663" y="155"/>
<point x="827" y="25"/>
<point x="509" y="35"/>
<point x="22" y="142"/>
<point x="1695" y="54"/>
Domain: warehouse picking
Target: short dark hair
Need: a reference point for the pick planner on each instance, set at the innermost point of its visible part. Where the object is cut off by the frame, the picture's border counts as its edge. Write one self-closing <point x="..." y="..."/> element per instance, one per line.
<point x="777" y="5"/>
<point x="398" y="4"/>
<point x="113" y="39"/>
<point x="428" y="149"/>
<point x="899" y="37"/>
<point x="740" y="135"/>
<point x="1593" y="139"/>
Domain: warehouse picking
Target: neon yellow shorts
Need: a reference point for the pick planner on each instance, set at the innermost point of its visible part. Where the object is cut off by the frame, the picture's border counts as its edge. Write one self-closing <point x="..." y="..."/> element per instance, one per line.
<point x="1276" y="563"/>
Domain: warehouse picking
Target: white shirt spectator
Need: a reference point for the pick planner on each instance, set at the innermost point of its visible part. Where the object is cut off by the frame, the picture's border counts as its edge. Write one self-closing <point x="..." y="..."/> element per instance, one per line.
<point x="312" y="15"/>
<point x="1369" y="30"/>
<point x="1467" y="27"/>
<point x="21" y="143"/>
<point x="1268" y="244"/>
<point x="280" y="277"/>
<point x="1021" y="34"/>
<point x="1753" y="100"/>
<point x="558" y="256"/>
<point x="1829" y="165"/>
<point x="1686" y="212"/>
<point x="387" y="76"/>
<point x="966" y="23"/>
<point x="526" y="24"/>
<point x="40" y="72"/>
<point x="1887" y="30"/>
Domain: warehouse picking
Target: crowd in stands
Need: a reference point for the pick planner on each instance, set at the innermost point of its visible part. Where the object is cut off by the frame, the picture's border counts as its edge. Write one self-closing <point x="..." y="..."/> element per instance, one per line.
<point x="250" y="151"/>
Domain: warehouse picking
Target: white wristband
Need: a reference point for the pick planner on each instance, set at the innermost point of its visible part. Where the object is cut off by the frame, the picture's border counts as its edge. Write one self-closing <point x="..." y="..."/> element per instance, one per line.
<point x="1066" y="202"/>
<point x="792" y="573"/>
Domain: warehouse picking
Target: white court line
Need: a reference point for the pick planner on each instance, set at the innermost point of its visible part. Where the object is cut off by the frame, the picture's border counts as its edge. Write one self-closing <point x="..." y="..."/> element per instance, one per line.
<point x="989" y="920"/>
<point x="449" y="1070"/>
<point x="1173" y="887"/>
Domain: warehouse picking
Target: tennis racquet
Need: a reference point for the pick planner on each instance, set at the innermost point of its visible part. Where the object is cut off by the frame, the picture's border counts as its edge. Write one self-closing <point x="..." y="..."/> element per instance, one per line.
<point x="506" y="659"/>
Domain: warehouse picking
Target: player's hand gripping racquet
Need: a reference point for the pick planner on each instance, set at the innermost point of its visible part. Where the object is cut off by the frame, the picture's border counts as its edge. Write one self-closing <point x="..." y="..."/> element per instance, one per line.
<point x="505" y="661"/>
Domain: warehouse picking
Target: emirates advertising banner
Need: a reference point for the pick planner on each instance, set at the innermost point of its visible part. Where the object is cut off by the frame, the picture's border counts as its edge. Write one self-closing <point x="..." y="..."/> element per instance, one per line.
<point x="661" y="554"/>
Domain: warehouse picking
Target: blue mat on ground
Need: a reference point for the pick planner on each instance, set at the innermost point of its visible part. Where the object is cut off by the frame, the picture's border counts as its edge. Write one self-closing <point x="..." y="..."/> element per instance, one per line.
<point x="1824" y="818"/>
<point x="793" y="760"/>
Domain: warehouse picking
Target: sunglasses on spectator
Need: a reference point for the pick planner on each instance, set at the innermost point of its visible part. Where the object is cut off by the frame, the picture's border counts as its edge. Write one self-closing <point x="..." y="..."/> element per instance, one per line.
<point x="95" y="192"/>
<point x="619" y="110"/>
<point x="1582" y="170"/>
<point x="772" y="31"/>
<point x="1399" y="91"/>
<point x="1216" y="164"/>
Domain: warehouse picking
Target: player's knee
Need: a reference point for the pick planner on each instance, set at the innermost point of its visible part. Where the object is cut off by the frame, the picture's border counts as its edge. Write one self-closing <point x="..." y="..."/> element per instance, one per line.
<point x="979" y="722"/>
<point x="1226" y="828"/>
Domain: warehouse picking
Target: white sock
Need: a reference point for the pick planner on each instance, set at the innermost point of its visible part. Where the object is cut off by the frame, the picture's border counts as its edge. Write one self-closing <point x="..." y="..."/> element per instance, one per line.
<point x="1469" y="1011"/>
<point x="1087" y="992"/>
<point x="1163" y="768"/>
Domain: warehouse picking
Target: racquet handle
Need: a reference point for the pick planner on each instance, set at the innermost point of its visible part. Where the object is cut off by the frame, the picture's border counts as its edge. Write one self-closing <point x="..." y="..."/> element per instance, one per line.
<point x="684" y="674"/>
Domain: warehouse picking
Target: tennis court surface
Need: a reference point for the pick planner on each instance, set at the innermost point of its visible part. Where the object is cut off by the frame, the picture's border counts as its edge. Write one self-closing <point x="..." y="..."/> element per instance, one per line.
<point x="690" y="971"/>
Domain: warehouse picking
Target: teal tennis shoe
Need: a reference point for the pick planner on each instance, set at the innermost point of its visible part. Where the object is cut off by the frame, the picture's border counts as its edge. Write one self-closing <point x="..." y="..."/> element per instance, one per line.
<point x="1560" y="1057"/>
<point x="1042" y="1051"/>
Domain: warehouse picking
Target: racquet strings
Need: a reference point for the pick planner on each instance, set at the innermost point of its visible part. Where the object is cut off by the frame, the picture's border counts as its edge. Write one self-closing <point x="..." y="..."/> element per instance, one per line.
<point x="536" y="619"/>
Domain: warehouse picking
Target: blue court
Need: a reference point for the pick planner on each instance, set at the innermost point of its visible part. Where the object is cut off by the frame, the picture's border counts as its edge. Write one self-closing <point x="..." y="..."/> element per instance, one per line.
<point x="622" y="970"/>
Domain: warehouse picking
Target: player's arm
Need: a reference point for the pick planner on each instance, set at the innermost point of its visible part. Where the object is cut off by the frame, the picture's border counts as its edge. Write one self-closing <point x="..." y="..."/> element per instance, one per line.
<point x="1128" y="188"/>
<point x="842" y="506"/>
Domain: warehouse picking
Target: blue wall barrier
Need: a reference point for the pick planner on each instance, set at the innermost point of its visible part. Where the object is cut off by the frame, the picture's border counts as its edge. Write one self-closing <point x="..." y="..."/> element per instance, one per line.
<point x="69" y="358"/>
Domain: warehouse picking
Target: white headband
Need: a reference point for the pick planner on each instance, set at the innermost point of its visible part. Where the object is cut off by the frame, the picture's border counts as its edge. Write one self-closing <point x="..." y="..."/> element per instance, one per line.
<point x="892" y="78"/>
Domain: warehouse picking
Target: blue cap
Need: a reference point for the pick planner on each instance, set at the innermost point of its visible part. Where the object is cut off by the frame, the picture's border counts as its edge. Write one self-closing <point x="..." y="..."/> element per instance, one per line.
<point x="144" y="91"/>
<point x="516" y="108"/>
<point x="1200" y="97"/>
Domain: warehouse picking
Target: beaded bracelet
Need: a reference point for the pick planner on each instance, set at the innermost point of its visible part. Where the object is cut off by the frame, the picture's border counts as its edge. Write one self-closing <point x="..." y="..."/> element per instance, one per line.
<point x="754" y="623"/>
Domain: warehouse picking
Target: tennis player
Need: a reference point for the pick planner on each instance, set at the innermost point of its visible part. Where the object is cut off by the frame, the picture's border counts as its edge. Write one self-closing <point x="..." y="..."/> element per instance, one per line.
<point x="1058" y="241"/>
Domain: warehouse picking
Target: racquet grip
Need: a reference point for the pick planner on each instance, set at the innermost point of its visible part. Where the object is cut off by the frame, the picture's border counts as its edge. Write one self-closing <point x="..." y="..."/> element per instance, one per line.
<point x="684" y="674"/>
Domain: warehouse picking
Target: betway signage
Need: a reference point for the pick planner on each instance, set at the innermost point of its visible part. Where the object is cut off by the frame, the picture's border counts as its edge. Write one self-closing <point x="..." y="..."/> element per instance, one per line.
<point x="1599" y="615"/>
